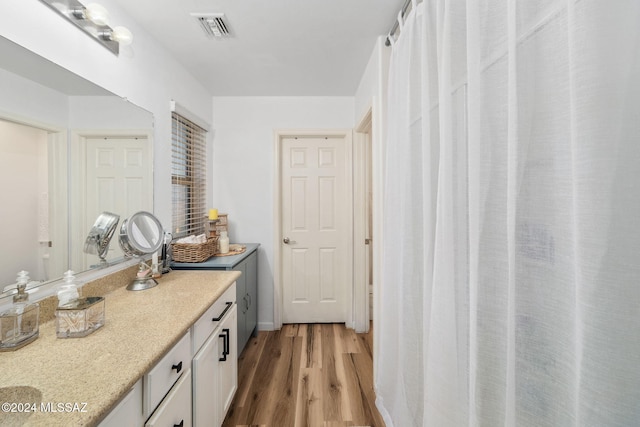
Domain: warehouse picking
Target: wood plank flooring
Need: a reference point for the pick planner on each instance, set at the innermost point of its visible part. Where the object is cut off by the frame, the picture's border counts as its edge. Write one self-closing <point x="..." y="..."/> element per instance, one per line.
<point x="308" y="375"/>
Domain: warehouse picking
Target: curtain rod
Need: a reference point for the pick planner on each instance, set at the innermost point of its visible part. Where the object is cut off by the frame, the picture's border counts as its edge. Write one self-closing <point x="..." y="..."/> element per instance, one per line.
<point x="394" y="28"/>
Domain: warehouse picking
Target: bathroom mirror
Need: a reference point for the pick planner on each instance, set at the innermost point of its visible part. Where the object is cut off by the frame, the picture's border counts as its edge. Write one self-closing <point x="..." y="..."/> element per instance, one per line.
<point x="69" y="150"/>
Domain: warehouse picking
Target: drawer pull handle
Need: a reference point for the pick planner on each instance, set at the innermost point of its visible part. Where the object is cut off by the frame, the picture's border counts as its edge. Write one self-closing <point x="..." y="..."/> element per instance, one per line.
<point x="177" y="367"/>
<point x="179" y="425"/>
<point x="219" y="318"/>
<point x="225" y="344"/>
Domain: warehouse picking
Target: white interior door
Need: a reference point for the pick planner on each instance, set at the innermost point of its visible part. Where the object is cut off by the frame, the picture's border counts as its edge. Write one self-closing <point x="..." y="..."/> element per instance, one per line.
<point x="119" y="180"/>
<point x="315" y="227"/>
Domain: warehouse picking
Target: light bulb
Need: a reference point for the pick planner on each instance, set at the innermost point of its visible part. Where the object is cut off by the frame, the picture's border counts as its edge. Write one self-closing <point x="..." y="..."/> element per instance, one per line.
<point x="97" y="14"/>
<point x="122" y="35"/>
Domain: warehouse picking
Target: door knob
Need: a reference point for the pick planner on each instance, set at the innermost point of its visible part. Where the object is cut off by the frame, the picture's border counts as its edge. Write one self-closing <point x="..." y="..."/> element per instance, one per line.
<point x="286" y="240"/>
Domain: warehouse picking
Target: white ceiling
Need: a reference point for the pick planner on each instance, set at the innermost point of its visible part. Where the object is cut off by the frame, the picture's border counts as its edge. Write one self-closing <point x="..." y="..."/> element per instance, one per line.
<point x="279" y="47"/>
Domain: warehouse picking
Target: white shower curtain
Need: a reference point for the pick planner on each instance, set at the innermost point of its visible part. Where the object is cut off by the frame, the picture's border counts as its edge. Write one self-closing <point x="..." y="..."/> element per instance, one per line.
<point x="511" y="275"/>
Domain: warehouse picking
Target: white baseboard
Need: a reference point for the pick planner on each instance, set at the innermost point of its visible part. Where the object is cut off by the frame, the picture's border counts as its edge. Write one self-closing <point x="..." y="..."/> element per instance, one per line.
<point x="265" y="326"/>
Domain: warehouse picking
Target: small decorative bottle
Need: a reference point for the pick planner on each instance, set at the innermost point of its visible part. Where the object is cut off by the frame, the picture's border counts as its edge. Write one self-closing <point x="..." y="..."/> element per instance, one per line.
<point x="69" y="291"/>
<point x="20" y="325"/>
<point x="223" y="242"/>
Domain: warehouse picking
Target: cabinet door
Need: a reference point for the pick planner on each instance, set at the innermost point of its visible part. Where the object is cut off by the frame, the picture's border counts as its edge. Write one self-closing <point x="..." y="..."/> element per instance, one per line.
<point x="129" y="410"/>
<point x="227" y="363"/>
<point x="242" y="301"/>
<point x="205" y="383"/>
<point x="251" y="316"/>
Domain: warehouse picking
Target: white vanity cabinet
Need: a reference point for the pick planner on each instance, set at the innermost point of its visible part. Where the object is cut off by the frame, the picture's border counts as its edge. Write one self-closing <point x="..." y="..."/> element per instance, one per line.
<point x="129" y="410"/>
<point x="160" y="392"/>
<point x="215" y="364"/>
<point x="195" y="381"/>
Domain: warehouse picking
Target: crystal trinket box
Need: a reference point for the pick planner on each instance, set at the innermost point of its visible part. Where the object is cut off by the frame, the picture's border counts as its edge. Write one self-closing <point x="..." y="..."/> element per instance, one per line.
<point x="79" y="317"/>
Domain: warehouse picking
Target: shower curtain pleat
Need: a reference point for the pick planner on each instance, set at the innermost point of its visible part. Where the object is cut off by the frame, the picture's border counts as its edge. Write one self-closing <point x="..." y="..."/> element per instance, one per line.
<point x="511" y="211"/>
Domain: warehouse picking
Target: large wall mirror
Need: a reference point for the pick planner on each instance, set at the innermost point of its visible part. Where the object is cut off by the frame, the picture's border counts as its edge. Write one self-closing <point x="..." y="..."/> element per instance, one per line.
<point x="69" y="150"/>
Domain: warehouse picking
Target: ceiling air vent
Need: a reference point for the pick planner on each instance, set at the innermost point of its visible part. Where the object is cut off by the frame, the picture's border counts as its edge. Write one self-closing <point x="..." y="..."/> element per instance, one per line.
<point x="213" y="24"/>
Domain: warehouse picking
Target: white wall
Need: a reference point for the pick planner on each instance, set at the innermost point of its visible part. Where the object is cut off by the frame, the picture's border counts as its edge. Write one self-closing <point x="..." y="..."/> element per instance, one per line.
<point x="372" y="86"/>
<point x="243" y="167"/>
<point x="107" y="112"/>
<point x="372" y="89"/>
<point x="144" y="73"/>
<point x="372" y="94"/>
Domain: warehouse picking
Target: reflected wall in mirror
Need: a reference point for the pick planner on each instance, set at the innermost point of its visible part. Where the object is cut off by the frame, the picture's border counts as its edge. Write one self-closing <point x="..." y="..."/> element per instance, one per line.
<point x="69" y="150"/>
<point x="24" y="170"/>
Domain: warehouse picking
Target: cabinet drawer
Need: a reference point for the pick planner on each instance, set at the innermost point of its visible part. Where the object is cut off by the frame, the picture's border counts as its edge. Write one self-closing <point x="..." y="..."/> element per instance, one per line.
<point x="206" y="325"/>
<point x="176" y="408"/>
<point x="160" y="379"/>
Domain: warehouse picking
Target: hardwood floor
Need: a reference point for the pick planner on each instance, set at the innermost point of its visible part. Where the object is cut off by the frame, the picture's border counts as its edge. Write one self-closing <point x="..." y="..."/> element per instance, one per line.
<point x="306" y="376"/>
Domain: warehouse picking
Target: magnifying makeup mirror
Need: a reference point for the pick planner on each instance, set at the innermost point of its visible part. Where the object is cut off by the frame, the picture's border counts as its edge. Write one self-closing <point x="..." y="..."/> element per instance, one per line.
<point x="141" y="234"/>
<point x="97" y="242"/>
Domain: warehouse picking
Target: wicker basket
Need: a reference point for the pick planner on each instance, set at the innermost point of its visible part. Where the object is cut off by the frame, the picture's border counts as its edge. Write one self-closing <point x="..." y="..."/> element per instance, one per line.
<point x="194" y="252"/>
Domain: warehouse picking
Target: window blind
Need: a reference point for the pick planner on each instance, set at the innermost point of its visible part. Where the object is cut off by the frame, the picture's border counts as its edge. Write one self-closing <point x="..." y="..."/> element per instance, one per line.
<point x="188" y="176"/>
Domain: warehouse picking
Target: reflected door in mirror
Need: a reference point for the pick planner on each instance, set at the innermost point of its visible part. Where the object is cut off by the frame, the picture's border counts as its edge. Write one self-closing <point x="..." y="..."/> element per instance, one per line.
<point x="119" y="179"/>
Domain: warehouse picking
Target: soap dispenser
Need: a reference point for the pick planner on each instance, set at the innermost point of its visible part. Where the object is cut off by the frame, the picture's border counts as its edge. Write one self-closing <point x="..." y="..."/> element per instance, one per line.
<point x="20" y="324"/>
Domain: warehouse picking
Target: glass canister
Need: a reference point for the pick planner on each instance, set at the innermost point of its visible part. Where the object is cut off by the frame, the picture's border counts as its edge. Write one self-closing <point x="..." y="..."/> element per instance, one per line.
<point x="19" y="325"/>
<point x="80" y="317"/>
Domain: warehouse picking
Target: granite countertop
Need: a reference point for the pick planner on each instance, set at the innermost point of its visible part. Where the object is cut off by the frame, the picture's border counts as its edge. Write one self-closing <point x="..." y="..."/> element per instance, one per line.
<point x="93" y="373"/>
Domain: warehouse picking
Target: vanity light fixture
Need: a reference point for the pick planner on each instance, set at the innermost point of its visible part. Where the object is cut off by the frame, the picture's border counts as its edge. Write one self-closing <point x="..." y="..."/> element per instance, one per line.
<point x="93" y="19"/>
<point x="97" y="14"/>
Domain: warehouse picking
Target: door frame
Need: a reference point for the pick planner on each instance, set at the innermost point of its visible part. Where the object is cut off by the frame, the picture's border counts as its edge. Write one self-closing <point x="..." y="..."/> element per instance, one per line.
<point x="279" y="135"/>
<point x="360" y="303"/>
